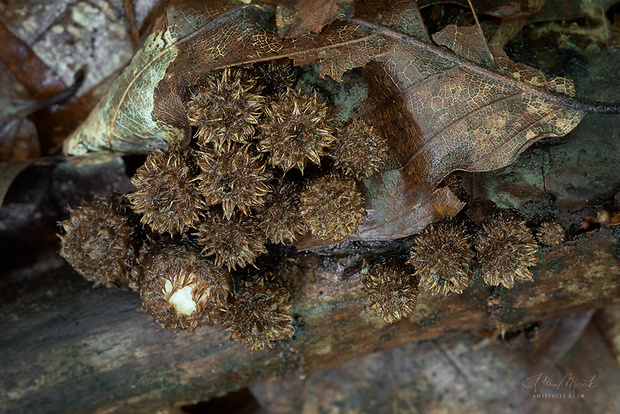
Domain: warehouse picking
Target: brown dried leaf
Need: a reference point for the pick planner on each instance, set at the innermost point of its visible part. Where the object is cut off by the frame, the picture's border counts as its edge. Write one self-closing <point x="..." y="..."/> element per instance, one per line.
<point x="514" y="16"/>
<point x="467" y="110"/>
<point x="401" y="205"/>
<point x="298" y="17"/>
<point x="30" y="86"/>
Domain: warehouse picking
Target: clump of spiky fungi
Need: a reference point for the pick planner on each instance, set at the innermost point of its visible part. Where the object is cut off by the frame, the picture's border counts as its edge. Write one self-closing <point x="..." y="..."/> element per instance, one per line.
<point x="234" y="242"/>
<point x="235" y="179"/>
<point x="179" y="287"/>
<point x="550" y="233"/>
<point x="258" y="313"/>
<point x="506" y="249"/>
<point x="442" y="258"/>
<point x="391" y="291"/>
<point x="226" y="110"/>
<point x="100" y="240"/>
<point x="358" y="151"/>
<point x="295" y="130"/>
<point x="332" y="207"/>
<point x="279" y="218"/>
<point x="166" y="195"/>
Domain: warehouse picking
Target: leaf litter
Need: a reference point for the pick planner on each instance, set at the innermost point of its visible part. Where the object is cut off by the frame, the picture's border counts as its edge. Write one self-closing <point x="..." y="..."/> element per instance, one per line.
<point x="445" y="103"/>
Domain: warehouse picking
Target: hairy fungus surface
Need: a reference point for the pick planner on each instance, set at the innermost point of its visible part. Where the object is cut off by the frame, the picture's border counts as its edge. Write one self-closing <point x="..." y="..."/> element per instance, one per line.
<point x="295" y="130"/>
<point x="180" y="288"/>
<point x="99" y="240"/>
<point x="550" y="233"/>
<point x="391" y="291"/>
<point x="358" y="151"/>
<point x="234" y="179"/>
<point x="442" y="258"/>
<point x="332" y="207"/>
<point x="166" y="195"/>
<point x="258" y="314"/>
<point x="234" y="242"/>
<point x="274" y="78"/>
<point x="506" y="249"/>
<point x="226" y="110"/>
<point x="279" y="217"/>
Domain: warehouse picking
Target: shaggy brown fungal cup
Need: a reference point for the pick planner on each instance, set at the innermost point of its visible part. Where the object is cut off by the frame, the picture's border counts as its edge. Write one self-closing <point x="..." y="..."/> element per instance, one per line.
<point x="234" y="243"/>
<point x="550" y="233"/>
<point x="100" y="240"/>
<point x="180" y="288"/>
<point x="258" y="314"/>
<point x="391" y="290"/>
<point x="332" y="207"/>
<point x="226" y="110"/>
<point x="442" y="258"/>
<point x="295" y="130"/>
<point x="234" y="179"/>
<point x="166" y="195"/>
<point x="506" y="249"/>
<point x="279" y="218"/>
<point x="358" y="150"/>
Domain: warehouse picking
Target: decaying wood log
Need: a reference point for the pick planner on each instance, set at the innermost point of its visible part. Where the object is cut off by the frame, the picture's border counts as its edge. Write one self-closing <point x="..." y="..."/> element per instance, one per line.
<point x="68" y="348"/>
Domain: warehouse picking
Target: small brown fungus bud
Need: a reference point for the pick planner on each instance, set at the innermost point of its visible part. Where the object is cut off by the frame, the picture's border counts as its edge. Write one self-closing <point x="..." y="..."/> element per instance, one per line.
<point x="358" y="150"/>
<point x="258" y="314"/>
<point x="100" y="240"/>
<point x="550" y="233"/>
<point x="442" y="257"/>
<point x="235" y="179"/>
<point x="603" y="217"/>
<point x="179" y="287"/>
<point x="295" y="130"/>
<point x="506" y="249"/>
<point x="391" y="291"/>
<point x="165" y="194"/>
<point x="332" y="207"/>
<point x="279" y="217"/>
<point x="226" y="110"/>
<point x="235" y="242"/>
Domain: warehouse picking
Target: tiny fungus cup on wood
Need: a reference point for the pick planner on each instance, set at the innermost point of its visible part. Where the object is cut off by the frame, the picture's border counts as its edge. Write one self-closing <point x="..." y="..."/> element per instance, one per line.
<point x="443" y="258"/>
<point x="506" y="249"/>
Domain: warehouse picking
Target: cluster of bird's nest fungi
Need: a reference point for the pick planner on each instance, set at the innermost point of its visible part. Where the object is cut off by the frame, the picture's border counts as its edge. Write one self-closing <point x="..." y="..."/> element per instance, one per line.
<point x="266" y="164"/>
